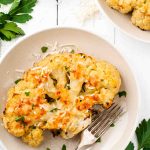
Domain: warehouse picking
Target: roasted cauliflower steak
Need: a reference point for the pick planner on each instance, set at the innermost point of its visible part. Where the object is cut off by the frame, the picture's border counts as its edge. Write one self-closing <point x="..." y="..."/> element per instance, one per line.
<point x="58" y="94"/>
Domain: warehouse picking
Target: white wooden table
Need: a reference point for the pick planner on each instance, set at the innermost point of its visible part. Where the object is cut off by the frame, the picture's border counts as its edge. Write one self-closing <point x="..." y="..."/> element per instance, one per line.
<point x="48" y="14"/>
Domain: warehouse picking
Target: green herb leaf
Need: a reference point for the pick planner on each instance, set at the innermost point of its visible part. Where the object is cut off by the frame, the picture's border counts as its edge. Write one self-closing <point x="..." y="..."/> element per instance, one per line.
<point x="24" y="6"/>
<point x="130" y="146"/>
<point x="3" y="17"/>
<point x="7" y="35"/>
<point x="47" y="148"/>
<point x="72" y="51"/>
<point x="44" y="49"/>
<point x="54" y="81"/>
<point x="67" y="86"/>
<point x="64" y="147"/>
<point x="19" y="12"/>
<point x="15" y="5"/>
<point x="66" y="68"/>
<point x="21" y="18"/>
<point x="83" y="87"/>
<point x="33" y="106"/>
<point x="33" y="127"/>
<point x="5" y="2"/>
<point x="20" y="118"/>
<point x="27" y="93"/>
<point x="17" y="81"/>
<point x="143" y="134"/>
<point x="112" y="125"/>
<point x="11" y="26"/>
<point x="10" y="31"/>
<point x="122" y="93"/>
<point x="54" y="110"/>
<point x="98" y="140"/>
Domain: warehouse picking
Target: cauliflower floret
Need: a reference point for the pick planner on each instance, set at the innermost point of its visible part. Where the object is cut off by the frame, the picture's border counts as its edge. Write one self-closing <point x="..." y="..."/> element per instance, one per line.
<point x="124" y="6"/>
<point x="33" y="137"/>
<point x="141" y="15"/>
<point x="13" y="127"/>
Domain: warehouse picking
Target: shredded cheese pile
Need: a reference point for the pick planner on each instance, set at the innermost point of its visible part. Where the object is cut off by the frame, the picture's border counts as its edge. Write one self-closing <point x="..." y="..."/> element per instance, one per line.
<point x="87" y="10"/>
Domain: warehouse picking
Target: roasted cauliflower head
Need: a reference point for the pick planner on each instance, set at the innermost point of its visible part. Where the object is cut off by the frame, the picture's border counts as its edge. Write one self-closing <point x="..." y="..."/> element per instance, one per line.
<point x="141" y="14"/>
<point x="58" y="94"/>
<point x="140" y="11"/>
<point x="123" y="6"/>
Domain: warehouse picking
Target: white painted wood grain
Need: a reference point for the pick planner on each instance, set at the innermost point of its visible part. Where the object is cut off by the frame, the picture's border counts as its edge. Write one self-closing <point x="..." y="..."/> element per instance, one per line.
<point x="44" y="16"/>
<point x="138" y="55"/>
<point x="69" y="11"/>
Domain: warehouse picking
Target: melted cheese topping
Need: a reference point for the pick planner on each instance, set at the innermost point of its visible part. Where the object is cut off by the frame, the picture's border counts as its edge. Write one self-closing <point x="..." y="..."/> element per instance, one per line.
<point x="58" y="93"/>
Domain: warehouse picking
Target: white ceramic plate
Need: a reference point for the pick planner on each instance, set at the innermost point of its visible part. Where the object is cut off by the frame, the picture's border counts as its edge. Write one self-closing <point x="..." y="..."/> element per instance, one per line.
<point x="20" y="57"/>
<point x="123" y="22"/>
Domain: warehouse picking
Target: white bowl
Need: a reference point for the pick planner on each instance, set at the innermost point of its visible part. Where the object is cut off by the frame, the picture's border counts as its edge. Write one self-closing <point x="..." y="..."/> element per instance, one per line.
<point x="123" y="22"/>
<point x="20" y="57"/>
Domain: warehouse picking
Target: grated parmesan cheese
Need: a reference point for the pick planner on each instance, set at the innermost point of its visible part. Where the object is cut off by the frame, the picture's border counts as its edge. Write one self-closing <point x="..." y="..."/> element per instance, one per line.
<point x="87" y="10"/>
<point x="19" y="70"/>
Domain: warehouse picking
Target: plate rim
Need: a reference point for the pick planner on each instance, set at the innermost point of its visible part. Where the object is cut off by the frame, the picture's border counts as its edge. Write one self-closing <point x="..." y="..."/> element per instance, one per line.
<point x="117" y="26"/>
<point x="106" y="41"/>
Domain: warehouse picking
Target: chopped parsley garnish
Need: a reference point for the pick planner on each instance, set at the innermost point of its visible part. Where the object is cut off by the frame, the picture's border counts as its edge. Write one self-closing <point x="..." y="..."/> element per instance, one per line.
<point x="83" y="87"/>
<point x="49" y="99"/>
<point x="67" y="86"/>
<point x="27" y="93"/>
<point x="72" y="51"/>
<point x="54" y="81"/>
<point x="54" y="110"/>
<point x="112" y="125"/>
<point x="20" y="118"/>
<point x="17" y="81"/>
<point x="33" y="127"/>
<point x="66" y="68"/>
<point x="44" y="49"/>
<point x="64" y="147"/>
<point x="33" y="106"/>
<point x="98" y="140"/>
<point x="122" y="93"/>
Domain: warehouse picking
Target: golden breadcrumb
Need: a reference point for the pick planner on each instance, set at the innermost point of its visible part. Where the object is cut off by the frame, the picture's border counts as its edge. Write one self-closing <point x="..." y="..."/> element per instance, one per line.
<point x="123" y="6"/>
<point x="141" y="15"/>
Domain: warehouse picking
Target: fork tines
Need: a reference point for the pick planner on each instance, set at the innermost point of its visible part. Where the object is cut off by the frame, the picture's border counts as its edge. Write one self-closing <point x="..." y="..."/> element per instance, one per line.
<point x="104" y="120"/>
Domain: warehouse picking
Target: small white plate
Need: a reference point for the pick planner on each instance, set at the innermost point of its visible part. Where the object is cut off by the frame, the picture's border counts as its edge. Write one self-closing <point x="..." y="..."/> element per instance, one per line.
<point x="123" y="22"/>
<point x="21" y="57"/>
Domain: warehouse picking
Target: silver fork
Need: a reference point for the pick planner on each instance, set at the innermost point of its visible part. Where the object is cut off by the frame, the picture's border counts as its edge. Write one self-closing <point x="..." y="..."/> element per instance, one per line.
<point x="99" y="126"/>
